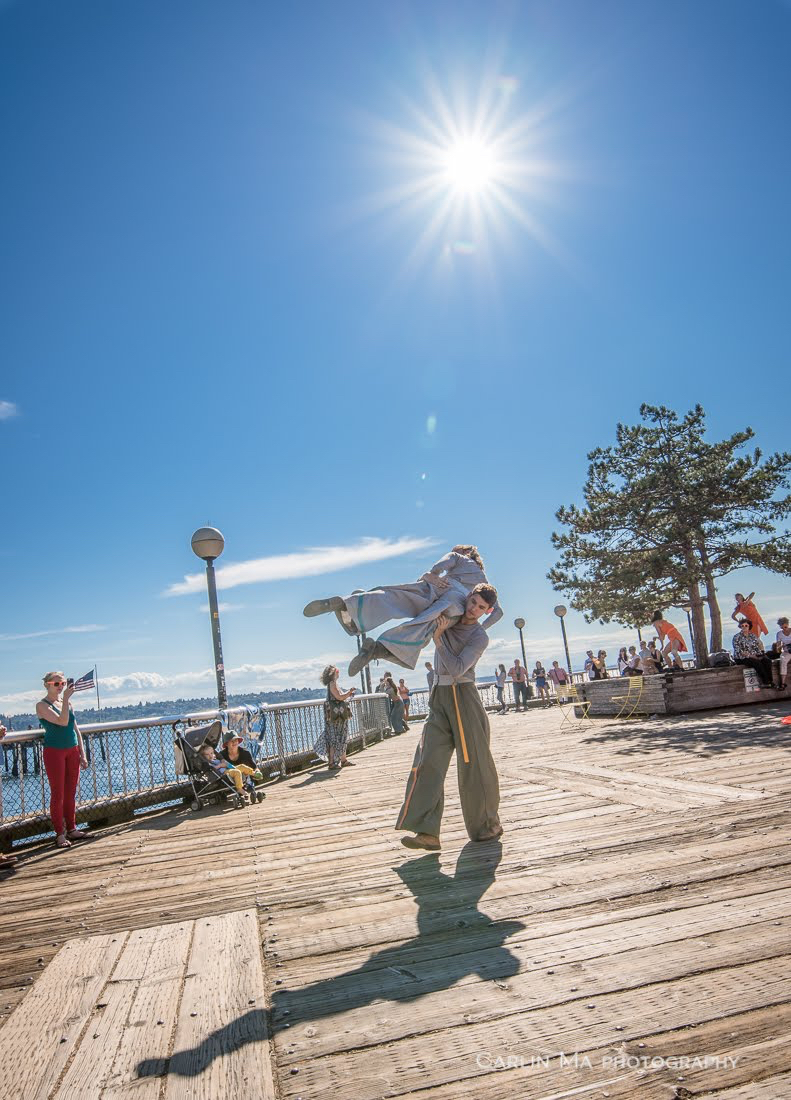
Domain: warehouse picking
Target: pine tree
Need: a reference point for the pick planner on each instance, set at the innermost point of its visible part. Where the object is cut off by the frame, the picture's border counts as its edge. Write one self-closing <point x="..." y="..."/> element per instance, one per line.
<point x="666" y="513"/>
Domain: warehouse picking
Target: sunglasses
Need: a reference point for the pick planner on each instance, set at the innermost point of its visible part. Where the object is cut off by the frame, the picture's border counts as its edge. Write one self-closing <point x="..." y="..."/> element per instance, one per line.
<point x="57" y="683"/>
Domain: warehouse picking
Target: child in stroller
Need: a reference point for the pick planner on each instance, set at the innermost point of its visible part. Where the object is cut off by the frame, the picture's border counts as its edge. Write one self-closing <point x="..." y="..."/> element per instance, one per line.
<point x="211" y="779"/>
<point x="235" y="753"/>
<point x="241" y="775"/>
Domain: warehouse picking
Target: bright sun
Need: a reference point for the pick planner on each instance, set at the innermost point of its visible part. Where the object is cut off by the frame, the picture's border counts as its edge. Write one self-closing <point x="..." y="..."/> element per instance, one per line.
<point x="469" y="165"/>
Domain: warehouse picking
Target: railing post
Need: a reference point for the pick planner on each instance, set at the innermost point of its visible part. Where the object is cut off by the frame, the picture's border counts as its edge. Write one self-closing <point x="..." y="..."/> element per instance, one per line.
<point x="361" y="722"/>
<point x="279" y="742"/>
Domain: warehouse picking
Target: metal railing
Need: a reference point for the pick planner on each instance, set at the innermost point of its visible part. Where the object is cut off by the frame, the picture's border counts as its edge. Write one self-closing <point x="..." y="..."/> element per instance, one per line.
<point x="132" y="765"/>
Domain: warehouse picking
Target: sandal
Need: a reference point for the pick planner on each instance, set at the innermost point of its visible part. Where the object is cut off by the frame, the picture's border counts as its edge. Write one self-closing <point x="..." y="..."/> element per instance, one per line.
<point x="7" y="861"/>
<point x="348" y="764"/>
<point x="77" y="834"/>
<point x="62" y="841"/>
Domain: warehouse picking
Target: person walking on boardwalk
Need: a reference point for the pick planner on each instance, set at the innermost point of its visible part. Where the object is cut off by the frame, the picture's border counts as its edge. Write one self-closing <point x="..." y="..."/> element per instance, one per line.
<point x="539" y="677"/>
<point x="64" y="755"/>
<point x="500" y="676"/>
<point x="403" y="691"/>
<point x="398" y="720"/>
<point x="456" y="721"/>
<point x="746" y="609"/>
<point x="443" y="590"/>
<point x="337" y="712"/>
<point x="518" y="675"/>
<point x="560" y="678"/>
<point x="672" y="640"/>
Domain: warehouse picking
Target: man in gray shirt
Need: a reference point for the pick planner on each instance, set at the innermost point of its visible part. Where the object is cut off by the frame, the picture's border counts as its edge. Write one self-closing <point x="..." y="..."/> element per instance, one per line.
<point x="457" y="720"/>
<point x="430" y="675"/>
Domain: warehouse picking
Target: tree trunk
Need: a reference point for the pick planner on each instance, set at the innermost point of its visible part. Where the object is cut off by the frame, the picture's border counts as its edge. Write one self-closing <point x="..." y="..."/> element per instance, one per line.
<point x="698" y="618"/>
<point x="715" y="616"/>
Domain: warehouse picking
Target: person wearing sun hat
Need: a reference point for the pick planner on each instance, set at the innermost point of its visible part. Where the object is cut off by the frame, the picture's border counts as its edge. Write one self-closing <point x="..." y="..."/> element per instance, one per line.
<point x="235" y="753"/>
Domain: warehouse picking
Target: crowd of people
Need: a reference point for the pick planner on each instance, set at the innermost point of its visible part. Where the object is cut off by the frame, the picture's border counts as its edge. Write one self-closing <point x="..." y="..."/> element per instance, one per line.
<point x="63" y="749"/>
<point x="749" y="649"/>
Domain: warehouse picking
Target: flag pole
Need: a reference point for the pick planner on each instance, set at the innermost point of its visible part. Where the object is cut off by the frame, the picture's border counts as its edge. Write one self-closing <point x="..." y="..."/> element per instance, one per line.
<point x="98" y="704"/>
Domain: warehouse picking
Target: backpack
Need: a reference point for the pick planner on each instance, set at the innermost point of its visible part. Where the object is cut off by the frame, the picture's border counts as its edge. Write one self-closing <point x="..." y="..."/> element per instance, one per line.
<point x="720" y="659"/>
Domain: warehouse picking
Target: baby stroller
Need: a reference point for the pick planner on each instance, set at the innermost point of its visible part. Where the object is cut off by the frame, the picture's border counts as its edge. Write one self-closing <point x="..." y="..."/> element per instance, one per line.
<point x="208" y="786"/>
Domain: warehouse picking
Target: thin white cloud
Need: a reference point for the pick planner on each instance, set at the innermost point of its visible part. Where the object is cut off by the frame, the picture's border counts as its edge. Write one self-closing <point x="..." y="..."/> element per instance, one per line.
<point x="302" y="563"/>
<point x="204" y="607"/>
<point x="150" y="686"/>
<point x="89" y="628"/>
<point x="8" y="410"/>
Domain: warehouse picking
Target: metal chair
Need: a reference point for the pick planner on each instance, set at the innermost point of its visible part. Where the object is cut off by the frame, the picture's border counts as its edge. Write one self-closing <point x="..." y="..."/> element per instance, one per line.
<point x="574" y="708"/>
<point x="631" y="700"/>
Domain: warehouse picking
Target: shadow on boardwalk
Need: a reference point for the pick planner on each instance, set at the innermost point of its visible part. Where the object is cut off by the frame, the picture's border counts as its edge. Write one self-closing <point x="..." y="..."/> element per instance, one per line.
<point x="705" y="733"/>
<point x="454" y="940"/>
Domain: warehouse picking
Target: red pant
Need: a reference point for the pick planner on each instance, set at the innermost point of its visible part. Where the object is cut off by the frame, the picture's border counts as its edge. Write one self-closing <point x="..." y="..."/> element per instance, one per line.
<point x="63" y="772"/>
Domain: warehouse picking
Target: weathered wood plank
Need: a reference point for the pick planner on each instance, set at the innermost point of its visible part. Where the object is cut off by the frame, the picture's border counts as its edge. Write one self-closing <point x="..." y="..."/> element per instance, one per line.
<point x="155" y="967"/>
<point x="37" y="1040"/>
<point x="450" y="1054"/>
<point x="221" y="1045"/>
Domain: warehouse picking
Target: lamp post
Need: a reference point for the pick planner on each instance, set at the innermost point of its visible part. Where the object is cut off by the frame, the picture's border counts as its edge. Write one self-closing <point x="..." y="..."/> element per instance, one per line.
<point x="208" y="544"/>
<point x="520" y="626"/>
<point x="688" y="608"/>
<point x="561" y="610"/>
<point x="365" y="673"/>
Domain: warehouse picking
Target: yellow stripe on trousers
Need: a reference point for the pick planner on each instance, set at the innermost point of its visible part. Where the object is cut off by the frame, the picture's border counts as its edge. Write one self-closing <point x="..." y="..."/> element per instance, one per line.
<point x="461" y="726"/>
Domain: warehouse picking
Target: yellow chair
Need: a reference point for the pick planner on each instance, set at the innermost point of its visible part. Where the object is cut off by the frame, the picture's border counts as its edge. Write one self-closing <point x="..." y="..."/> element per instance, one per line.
<point x="574" y="708"/>
<point x="631" y="700"/>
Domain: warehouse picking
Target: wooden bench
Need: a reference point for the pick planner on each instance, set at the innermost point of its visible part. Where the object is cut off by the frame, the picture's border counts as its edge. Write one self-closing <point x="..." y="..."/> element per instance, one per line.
<point x="680" y="692"/>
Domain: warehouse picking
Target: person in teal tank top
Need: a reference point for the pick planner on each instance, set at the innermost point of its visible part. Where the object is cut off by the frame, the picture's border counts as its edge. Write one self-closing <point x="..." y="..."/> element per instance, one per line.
<point x="64" y="755"/>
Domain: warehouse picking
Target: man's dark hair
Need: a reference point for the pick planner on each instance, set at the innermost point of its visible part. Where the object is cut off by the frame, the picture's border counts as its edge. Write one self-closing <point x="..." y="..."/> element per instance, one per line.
<point x="487" y="592"/>
<point x="747" y="621"/>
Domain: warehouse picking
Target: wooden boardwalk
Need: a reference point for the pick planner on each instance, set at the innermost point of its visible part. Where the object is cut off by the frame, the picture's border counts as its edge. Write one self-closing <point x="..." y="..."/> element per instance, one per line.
<point x="630" y="938"/>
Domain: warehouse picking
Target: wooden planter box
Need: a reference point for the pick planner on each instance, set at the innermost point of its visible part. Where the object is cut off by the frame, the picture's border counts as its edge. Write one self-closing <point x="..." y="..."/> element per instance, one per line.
<point x="679" y="693"/>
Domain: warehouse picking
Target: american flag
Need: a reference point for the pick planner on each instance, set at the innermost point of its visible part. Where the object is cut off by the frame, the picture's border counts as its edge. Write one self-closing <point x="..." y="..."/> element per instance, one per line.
<point x="86" y="682"/>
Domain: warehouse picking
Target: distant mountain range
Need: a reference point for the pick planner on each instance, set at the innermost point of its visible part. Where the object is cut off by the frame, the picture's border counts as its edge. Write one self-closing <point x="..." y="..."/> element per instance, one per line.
<point x="168" y="706"/>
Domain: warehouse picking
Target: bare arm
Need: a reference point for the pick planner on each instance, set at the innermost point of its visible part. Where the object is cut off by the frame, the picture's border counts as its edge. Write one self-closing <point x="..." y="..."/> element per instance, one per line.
<point x="81" y="747"/>
<point x="49" y="714"/>
<point x="336" y="691"/>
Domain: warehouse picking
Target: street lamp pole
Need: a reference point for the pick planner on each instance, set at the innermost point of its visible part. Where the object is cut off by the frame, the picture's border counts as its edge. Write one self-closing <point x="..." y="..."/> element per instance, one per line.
<point x="208" y="544"/>
<point x="520" y="626"/>
<point x="561" y="611"/>
<point x="688" y="608"/>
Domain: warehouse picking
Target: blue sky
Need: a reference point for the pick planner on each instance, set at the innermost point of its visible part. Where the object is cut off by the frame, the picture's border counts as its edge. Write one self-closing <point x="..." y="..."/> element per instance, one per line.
<point x="240" y="289"/>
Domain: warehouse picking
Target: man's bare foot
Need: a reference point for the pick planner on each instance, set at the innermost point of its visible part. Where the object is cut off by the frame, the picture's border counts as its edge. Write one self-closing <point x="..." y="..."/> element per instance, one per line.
<point x="425" y="841"/>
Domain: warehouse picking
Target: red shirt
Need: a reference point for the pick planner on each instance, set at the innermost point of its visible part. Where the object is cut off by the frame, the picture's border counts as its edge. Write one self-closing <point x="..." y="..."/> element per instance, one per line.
<point x="667" y="631"/>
